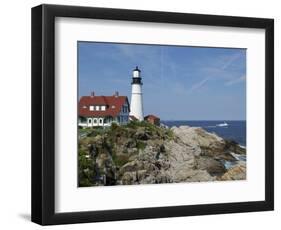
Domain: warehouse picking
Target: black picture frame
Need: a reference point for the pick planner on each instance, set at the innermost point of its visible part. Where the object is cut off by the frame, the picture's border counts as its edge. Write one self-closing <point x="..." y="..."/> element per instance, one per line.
<point x="43" y="114"/>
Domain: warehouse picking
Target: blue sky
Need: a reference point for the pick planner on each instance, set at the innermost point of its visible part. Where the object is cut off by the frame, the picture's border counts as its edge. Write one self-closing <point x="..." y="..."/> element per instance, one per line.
<point x="179" y="82"/>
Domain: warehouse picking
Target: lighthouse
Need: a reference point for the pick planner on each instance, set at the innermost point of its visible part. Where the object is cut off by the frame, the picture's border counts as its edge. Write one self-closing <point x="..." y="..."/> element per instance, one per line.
<point x="136" y="109"/>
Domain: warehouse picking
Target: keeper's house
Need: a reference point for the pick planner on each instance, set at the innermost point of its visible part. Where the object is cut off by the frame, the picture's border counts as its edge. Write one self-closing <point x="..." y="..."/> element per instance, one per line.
<point x="103" y="110"/>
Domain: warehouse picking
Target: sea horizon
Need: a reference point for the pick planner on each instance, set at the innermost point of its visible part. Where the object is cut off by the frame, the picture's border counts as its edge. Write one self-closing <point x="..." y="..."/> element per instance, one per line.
<point x="233" y="130"/>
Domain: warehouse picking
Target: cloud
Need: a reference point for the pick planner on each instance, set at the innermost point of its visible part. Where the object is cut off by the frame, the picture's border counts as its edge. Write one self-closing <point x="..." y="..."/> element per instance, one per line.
<point x="215" y="69"/>
<point x="229" y="69"/>
<point x="198" y="85"/>
<point x="180" y="89"/>
<point x="230" y="60"/>
<point x="236" y="81"/>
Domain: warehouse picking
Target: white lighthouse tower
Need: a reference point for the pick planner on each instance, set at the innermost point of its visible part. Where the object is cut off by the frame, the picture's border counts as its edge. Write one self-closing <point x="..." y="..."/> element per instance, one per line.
<point x="136" y="109"/>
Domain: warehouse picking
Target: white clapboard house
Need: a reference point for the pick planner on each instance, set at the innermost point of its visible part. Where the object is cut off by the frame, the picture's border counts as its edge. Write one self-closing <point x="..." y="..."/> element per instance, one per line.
<point x="103" y="110"/>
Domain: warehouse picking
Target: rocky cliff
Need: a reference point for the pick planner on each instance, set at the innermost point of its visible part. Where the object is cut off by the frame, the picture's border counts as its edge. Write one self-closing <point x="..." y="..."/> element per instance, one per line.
<point x="141" y="153"/>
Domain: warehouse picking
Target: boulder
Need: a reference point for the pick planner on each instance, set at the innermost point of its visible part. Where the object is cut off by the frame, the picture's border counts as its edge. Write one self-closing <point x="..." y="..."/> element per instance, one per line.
<point x="237" y="172"/>
<point x="233" y="146"/>
<point x="212" y="166"/>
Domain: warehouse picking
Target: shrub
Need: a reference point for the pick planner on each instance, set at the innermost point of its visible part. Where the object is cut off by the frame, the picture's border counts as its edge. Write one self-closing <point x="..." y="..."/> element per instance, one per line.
<point x="86" y="169"/>
<point x="120" y="160"/>
<point x="141" y="145"/>
<point x="114" y="126"/>
<point x="170" y="134"/>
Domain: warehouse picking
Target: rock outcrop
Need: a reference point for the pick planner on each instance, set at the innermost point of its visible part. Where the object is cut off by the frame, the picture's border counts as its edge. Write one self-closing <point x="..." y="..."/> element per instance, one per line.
<point x="146" y="154"/>
<point x="238" y="172"/>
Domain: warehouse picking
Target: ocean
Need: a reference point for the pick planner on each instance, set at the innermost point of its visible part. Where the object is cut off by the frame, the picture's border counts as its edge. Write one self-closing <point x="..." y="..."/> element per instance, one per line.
<point x="235" y="130"/>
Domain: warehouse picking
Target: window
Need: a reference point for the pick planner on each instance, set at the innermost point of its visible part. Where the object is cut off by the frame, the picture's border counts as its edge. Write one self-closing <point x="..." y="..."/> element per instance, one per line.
<point x="97" y="107"/>
<point x="90" y="121"/>
<point x="103" y="107"/>
<point x="83" y="120"/>
<point x="84" y="107"/>
<point x="100" y="120"/>
<point x="92" y="108"/>
<point x="95" y="121"/>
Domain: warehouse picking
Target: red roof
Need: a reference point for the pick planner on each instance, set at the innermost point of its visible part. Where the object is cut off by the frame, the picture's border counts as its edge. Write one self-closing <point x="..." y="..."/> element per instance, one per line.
<point x="113" y="105"/>
<point x="151" y="116"/>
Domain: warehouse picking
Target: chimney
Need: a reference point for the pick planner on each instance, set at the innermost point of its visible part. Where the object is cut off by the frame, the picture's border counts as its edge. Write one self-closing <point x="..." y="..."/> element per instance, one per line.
<point x="116" y="94"/>
<point x="92" y="93"/>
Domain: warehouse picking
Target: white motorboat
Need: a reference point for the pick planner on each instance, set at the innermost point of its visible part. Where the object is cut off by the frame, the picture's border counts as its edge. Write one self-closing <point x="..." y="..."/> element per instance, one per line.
<point x="224" y="124"/>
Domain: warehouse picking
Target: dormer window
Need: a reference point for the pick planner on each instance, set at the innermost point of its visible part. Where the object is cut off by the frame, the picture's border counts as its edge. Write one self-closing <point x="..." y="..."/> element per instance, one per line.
<point x="84" y="107"/>
<point x="113" y="106"/>
<point x="96" y="107"/>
